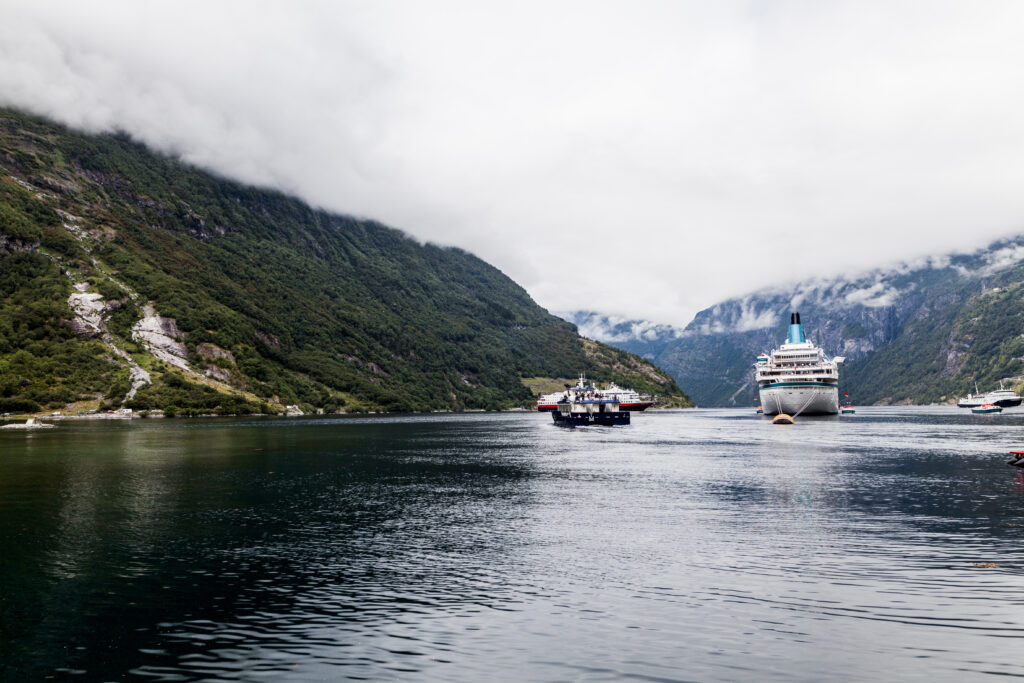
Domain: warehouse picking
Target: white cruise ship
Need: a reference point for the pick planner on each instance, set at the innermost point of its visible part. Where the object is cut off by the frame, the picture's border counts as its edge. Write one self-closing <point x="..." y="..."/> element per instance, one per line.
<point x="797" y="378"/>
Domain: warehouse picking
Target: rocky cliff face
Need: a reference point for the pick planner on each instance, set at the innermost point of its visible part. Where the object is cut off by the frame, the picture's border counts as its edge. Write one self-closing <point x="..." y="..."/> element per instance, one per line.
<point x="918" y="332"/>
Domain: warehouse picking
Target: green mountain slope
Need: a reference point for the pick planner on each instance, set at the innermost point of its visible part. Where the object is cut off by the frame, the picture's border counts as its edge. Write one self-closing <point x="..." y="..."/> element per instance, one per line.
<point x="128" y="276"/>
<point x="951" y="344"/>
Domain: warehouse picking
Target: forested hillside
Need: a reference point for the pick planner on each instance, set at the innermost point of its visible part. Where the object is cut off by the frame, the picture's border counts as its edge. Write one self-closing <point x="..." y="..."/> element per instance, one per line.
<point x="131" y="278"/>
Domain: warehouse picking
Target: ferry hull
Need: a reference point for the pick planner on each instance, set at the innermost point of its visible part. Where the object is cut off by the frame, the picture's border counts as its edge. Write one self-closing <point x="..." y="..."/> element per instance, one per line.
<point x="815" y="400"/>
<point x="609" y="419"/>
<point x="636" y="407"/>
<point x="547" y="408"/>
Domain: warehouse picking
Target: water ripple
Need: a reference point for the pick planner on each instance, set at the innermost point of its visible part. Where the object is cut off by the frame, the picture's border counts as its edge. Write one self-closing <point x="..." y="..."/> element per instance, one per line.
<point x="696" y="545"/>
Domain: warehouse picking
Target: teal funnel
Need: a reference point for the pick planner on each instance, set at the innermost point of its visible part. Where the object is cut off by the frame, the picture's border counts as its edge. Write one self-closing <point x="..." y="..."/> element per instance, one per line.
<point x="796" y="330"/>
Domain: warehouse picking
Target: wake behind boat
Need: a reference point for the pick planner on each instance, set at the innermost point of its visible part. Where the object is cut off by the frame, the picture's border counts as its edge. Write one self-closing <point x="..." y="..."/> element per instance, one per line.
<point x="797" y="378"/>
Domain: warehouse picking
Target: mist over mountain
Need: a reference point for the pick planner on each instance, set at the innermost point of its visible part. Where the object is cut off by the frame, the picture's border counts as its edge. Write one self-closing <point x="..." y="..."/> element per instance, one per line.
<point x="636" y="336"/>
<point x="528" y="131"/>
<point x="918" y="332"/>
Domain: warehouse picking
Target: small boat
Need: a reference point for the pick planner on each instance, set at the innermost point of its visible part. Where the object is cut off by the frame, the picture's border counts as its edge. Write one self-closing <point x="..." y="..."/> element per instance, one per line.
<point x="29" y="424"/>
<point x="760" y="410"/>
<point x="584" y="405"/>
<point x="986" y="408"/>
<point x="847" y="410"/>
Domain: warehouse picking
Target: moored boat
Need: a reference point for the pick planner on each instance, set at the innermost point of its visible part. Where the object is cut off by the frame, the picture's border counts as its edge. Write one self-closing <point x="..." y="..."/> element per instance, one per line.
<point x="29" y="424"/>
<point x="627" y="398"/>
<point x="986" y="409"/>
<point x="549" y="402"/>
<point x="972" y="400"/>
<point x="797" y="378"/>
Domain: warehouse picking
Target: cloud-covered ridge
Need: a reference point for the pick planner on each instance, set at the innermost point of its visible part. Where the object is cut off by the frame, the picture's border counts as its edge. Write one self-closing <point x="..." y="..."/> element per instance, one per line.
<point x="652" y="158"/>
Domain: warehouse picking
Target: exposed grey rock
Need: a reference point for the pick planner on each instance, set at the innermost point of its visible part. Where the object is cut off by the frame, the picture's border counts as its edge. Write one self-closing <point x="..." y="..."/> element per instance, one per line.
<point x="207" y="350"/>
<point x="161" y="337"/>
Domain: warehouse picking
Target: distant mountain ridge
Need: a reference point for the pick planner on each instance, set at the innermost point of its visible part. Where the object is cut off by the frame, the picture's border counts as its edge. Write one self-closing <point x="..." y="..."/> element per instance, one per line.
<point x="919" y="332"/>
<point x="129" y="278"/>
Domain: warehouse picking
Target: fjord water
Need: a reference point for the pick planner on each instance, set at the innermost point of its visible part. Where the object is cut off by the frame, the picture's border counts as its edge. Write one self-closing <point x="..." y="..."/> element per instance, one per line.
<point x="691" y="545"/>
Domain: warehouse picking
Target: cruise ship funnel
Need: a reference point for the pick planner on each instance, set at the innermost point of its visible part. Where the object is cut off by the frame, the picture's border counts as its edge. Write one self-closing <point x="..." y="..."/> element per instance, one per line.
<point x="796" y="330"/>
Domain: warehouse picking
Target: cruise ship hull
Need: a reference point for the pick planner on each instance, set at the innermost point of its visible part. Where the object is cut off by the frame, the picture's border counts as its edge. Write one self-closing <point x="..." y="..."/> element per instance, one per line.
<point x="818" y="399"/>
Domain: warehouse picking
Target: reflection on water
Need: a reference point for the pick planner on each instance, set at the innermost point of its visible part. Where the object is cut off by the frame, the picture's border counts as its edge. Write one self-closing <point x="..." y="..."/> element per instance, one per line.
<point x="695" y="545"/>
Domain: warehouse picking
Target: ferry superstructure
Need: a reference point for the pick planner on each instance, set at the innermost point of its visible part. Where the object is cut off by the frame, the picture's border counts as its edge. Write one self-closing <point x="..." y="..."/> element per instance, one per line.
<point x="584" y="405"/>
<point x="627" y="398"/>
<point x="798" y="378"/>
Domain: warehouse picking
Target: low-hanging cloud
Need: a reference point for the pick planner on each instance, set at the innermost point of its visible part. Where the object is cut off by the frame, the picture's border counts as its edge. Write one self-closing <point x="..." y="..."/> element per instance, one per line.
<point x="647" y="159"/>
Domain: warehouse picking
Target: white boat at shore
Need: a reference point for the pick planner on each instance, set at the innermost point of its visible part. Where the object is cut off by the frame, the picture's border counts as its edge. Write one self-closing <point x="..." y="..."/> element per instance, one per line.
<point x="797" y="378"/>
<point x="29" y="424"/>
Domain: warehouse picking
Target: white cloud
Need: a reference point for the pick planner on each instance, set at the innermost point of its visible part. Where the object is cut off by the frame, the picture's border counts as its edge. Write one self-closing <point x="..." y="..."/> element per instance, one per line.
<point x="648" y="159"/>
<point x="875" y="296"/>
<point x="750" y="319"/>
<point x="618" y="329"/>
<point x="1003" y="258"/>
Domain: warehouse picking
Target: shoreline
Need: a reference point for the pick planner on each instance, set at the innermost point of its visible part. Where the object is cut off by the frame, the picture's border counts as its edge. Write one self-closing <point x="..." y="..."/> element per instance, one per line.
<point x="49" y="417"/>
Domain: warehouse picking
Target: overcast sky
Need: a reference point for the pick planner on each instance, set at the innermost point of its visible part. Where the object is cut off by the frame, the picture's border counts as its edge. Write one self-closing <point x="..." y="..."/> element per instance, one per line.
<point x="646" y="159"/>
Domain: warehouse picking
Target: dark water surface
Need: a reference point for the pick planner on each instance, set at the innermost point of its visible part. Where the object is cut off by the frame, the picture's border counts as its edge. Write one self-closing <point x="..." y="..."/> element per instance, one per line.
<point x="692" y="545"/>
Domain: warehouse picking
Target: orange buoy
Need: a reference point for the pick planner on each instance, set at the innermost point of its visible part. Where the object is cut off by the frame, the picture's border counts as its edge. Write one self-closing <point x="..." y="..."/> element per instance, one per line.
<point x="782" y="419"/>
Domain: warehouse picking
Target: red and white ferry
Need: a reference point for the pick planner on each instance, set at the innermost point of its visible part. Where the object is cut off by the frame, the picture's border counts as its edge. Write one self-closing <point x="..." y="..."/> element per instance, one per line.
<point x="627" y="398"/>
